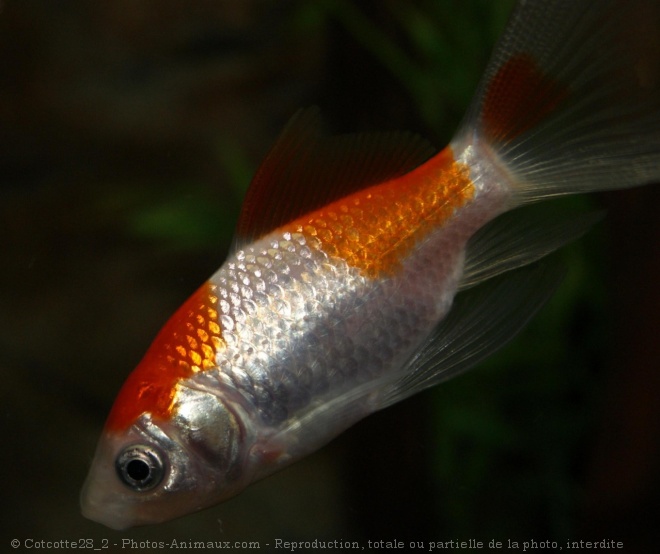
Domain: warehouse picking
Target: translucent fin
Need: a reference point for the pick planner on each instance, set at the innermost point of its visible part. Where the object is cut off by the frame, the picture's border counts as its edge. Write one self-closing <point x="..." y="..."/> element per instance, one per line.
<point x="306" y="169"/>
<point x="570" y="101"/>
<point x="320" y="423"/>
<point x="518" y="238"/>
<point x="481" y="322"/>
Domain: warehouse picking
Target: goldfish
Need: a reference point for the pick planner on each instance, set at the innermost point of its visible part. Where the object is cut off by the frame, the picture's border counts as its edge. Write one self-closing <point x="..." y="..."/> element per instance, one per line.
<point x="369" y="267"/>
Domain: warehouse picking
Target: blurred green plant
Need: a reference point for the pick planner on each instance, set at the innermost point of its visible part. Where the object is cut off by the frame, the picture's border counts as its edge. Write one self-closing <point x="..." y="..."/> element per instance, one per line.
<point x="446" y="44"/>
<point x="183" y="219"/>
<point x="187" y="216"/>
<point x="510" y="434"/>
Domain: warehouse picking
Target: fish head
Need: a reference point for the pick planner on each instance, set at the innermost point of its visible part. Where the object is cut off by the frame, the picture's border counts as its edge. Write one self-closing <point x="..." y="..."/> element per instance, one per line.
<point x="156" y="470"/>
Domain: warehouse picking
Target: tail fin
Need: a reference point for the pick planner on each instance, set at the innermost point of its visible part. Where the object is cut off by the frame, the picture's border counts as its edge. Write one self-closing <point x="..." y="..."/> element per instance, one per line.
<point x="570" y="101"/>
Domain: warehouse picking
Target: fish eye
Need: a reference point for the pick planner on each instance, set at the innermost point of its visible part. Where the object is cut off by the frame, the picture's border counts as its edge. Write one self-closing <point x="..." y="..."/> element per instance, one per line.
<point x="140" y="467"/>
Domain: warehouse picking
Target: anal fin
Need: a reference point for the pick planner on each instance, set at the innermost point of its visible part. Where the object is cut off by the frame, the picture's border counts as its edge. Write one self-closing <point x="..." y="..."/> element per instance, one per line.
<point x="519" y="238"/>
<point x="481" y="321"/>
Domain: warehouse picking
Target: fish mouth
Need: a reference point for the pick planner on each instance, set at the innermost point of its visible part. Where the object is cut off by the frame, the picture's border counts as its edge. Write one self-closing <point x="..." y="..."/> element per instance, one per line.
<point x="99" y="507"/>
<point x="103" y="498"/>
<point x="103" y="503"/>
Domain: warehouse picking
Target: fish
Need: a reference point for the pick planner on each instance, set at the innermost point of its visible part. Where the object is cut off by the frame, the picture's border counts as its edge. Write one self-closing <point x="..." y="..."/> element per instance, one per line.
<point x="369" y="267"/>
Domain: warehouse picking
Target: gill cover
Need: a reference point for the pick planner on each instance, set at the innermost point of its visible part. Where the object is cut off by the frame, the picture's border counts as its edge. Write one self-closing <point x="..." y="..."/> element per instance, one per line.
<point x="158" y="470"/>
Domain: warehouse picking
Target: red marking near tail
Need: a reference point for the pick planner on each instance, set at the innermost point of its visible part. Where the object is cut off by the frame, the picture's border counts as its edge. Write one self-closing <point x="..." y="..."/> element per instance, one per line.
<point x="519" y="97"/>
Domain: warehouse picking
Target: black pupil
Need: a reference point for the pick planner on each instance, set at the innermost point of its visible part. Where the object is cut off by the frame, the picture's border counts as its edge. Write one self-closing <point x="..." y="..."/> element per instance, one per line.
<point x="137" y="470"/>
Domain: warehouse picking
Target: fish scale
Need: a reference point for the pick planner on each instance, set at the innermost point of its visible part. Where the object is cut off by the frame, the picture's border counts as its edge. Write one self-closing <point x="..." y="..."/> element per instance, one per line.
<point x="323" y="349"/>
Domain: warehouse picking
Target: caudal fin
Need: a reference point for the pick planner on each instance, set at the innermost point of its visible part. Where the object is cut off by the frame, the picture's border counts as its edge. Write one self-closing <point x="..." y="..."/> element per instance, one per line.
<point x="570" y="101"/>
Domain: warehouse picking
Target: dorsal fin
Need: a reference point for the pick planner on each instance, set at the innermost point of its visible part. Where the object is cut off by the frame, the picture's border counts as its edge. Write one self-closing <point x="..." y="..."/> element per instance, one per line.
<point x="306" y="169"/>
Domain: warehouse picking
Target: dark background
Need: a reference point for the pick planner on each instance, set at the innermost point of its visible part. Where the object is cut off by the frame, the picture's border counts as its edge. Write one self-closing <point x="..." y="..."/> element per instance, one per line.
<point x="128" y="134"/>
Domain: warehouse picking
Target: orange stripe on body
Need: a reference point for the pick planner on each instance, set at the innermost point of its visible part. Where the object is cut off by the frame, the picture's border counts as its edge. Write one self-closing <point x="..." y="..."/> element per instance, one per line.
<point x="186" y="344"/>
<point x="374" y="229"/>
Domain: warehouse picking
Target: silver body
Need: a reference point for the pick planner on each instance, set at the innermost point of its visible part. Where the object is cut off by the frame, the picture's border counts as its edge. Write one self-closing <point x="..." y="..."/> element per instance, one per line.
<point x="312" y="346"/>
